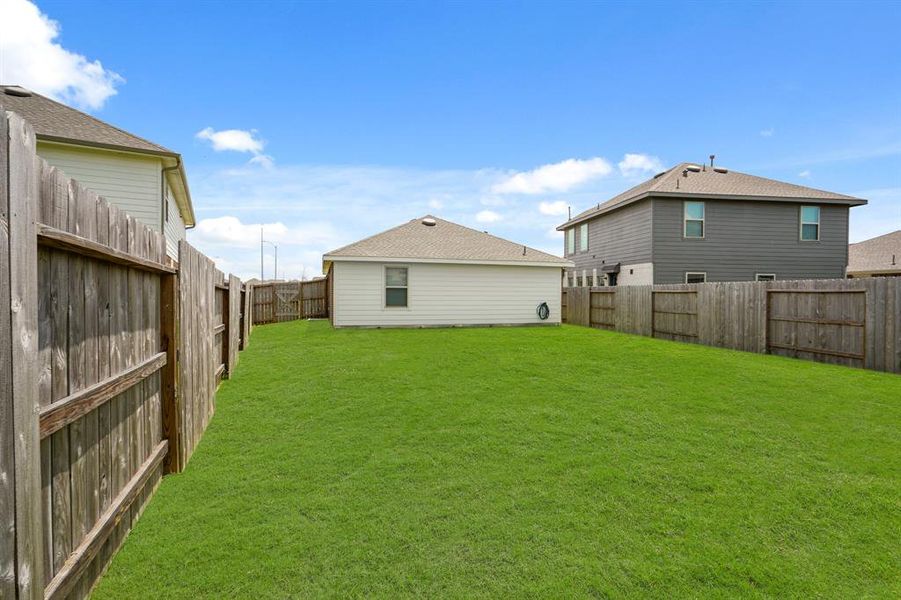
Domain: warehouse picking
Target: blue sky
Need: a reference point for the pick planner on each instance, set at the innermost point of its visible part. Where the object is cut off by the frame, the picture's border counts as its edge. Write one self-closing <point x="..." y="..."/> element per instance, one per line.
<point x="359" y="116"/>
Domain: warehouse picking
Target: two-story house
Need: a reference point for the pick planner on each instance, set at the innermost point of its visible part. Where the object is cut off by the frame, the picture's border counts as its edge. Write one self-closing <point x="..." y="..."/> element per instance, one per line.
<point x="144" y="179"/>
<point x="697" y="223"/>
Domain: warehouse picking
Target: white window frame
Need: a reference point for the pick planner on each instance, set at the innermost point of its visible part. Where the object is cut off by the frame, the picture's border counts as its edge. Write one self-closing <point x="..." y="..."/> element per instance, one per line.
<point x="704" y="273"/>
<point x="570" y="241"/>
<point x="757" y="276"/>
<point x="583" y="237"/>
<point x="685" y="220"/>
<point x="385" y="287"/>
<point x="802" y="222"/>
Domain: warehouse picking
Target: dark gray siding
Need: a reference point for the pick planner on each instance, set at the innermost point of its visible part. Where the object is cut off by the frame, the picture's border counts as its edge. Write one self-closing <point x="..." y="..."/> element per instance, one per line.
<point x="622" y="236"/>
<point x="745" y="238"/>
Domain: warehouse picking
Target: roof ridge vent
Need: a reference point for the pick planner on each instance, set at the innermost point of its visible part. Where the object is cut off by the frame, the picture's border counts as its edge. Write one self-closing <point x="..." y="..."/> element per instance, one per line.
<point x="721" y="169"/>
<point x="429" y="222"/>
<point x="16" y="90"/>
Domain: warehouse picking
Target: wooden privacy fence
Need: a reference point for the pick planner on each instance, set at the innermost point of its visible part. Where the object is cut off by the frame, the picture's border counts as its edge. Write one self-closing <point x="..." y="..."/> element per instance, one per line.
<point x="855" y="322"/>
<point x="107" y="370"/>
<point x="289" y="301"/>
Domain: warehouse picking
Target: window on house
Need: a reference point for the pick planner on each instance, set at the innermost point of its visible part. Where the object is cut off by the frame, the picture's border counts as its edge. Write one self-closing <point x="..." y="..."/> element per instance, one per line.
<point x="583" y="237"/>
<point x="395" y="286"/>
<point x="810" y="223"/>
<point x="570" y="241"/>
<point x="578" y="282"/>
<point x="695" y="277"/>
<point x="766" y="277"/>
<point x="693" y="219"/>
<point x="590" y="281"/>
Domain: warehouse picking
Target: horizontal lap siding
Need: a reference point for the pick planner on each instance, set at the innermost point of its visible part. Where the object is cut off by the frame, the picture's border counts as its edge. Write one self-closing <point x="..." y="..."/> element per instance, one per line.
<point x="746" y="238"/>
<point x="622" y="236"/>
<point x="445" y="294"/>
<point x="127" y="181"/>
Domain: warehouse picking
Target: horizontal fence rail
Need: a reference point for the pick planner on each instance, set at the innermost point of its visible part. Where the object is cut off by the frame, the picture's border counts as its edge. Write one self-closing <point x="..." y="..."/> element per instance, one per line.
<point x="854" y="322"/>
<point x="109" y="362"/>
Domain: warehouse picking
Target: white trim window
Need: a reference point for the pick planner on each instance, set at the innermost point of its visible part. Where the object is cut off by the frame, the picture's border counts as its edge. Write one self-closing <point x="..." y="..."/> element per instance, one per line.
<point x="396" y="287"/>
<point x="570" y="241"/>
<point x="695" y="277"/>
<point x="693" y="214"/>
<point x="765" y="277"/>
<point x="810" y="224"/>
<point x="583" y="237"/>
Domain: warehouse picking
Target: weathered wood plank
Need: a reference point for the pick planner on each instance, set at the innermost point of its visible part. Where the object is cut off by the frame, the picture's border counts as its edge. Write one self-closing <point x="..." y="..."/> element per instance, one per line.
<point x="68" y="576"/>
<point x="24" y="192"/>
<point x="64" y="240"/>
<point x="71" y="408"/>
<point x="8" y="587"/>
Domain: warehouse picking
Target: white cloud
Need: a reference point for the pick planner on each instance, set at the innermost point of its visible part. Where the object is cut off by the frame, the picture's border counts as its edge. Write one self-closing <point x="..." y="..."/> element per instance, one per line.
<point x="805" y="174"/>
<point x="229" y="230"/>
<point x="30" y="56"/>
<point x="487" y="216"/>
<point x="263" y="160"/>
<point x="311" y="209"/>
<point x="554" y="209"/>
<point x="768" y="132"/>
<point x="237" y="140"/>
<point x="556" y="177"/>
<point x="634" y="165"/>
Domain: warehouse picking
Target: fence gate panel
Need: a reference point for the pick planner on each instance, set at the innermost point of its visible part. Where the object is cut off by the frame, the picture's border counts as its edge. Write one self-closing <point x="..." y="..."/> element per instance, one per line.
<point x="823" y="325"/>
<point x="675" y="314"/>
<point x="287" y="300"/>
<point x="602" y="308"/>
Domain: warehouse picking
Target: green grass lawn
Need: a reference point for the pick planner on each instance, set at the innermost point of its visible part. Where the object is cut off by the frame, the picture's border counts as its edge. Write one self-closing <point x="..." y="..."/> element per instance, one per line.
<point x="527" y="462"/>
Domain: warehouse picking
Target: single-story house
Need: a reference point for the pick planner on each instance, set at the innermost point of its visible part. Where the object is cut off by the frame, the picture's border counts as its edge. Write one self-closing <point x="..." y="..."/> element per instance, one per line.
<point x="430" y="272"/>
<point x="876" y="257"/>
<point x="138" y="176"/>
<point x="696" y="223"/>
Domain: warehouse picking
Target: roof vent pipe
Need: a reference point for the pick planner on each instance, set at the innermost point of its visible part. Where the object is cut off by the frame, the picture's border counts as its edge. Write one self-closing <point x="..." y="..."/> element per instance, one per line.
<point x="712" y="156"/>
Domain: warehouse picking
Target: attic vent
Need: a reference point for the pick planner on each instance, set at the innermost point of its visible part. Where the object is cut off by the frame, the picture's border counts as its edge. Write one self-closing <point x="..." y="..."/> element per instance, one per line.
<point x="429" y="222"/>
<point x="14" y="90"/>
<point x="660" y="174"/>
<point x="720" y="170"/>
<point x="693" y="168"/>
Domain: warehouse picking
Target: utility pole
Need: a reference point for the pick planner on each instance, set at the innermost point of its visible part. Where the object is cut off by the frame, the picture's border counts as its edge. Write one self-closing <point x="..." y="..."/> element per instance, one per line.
<point x="274" y="245"/>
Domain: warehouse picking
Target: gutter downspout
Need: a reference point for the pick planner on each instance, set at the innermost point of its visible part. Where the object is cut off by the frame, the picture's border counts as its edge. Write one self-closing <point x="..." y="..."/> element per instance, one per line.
<point x="165" y="207"/>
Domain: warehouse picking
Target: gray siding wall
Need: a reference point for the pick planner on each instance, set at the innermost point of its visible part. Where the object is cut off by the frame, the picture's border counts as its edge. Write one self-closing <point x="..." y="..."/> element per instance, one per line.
<point x="745" y="238"/>
<point x="623" y="236"/>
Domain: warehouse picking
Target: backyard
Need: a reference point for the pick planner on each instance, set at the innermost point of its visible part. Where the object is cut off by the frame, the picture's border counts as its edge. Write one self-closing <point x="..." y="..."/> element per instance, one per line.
<point x="527" y="462"/>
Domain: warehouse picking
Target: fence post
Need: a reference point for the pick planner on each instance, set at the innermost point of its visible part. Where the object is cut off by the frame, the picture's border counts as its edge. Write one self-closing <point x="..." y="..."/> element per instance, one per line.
<point x="171" y="415"/>
<point x="18" y="368"/>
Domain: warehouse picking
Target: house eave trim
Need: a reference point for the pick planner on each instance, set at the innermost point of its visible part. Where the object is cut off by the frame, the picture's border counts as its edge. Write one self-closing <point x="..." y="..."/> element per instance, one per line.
<point x="448" y="261"/>
<point x="799" y="200"/>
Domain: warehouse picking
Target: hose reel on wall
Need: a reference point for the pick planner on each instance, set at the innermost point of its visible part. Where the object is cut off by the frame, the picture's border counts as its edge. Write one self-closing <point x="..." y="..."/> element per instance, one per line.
<point x="544" y="311"/>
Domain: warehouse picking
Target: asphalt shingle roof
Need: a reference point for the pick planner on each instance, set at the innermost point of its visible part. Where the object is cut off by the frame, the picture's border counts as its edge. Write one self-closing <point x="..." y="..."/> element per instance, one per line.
<point x="709" y="182"/>
<point x="444" y="241"/>
<point x="876" y="255"/>
<point x="56" y="121"/>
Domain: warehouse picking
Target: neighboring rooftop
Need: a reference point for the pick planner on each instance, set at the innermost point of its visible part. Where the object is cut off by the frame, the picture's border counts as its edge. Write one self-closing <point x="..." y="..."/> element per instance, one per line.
<point x="704" y="181"/>
<point x="57" y="122"/>
<point x="877" y="255"/>
<point x="431" y="238"/>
